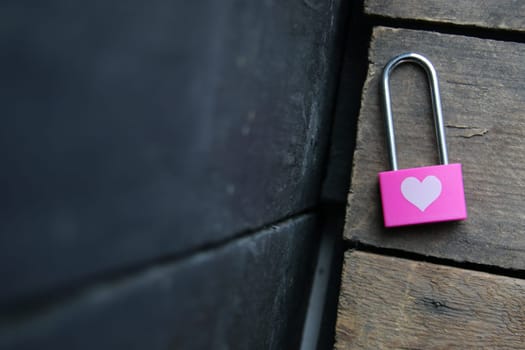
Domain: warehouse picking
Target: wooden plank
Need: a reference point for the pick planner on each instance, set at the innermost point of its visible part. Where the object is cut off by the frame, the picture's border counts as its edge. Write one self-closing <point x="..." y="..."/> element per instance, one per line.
<point x="132" y="132"/>
<point x="483" y="102"/>
<point x="249" y="294"/>
<point x="494" y="14"/>
<point x="391" y="303"/>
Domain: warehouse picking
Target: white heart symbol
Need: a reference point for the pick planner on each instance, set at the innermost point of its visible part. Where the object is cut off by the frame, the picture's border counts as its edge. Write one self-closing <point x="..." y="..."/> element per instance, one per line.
<point x="421" y="194"/>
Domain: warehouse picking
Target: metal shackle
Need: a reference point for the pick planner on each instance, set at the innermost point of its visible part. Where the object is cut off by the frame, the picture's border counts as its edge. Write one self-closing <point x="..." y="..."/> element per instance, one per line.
<point x="423" y="62"/>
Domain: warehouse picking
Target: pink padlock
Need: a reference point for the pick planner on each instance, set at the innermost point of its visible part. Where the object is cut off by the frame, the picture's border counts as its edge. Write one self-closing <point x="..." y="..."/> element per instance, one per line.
<point x="426" y="194"/>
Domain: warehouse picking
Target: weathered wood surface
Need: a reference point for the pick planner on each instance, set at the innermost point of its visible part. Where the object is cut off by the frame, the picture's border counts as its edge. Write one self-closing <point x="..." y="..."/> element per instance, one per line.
<point x="129" y="133"/>
<point x="391" y="303"/>
<point x="249" y="294"/>
<point x="494" y="14"/>
<point x="483" y="102"/>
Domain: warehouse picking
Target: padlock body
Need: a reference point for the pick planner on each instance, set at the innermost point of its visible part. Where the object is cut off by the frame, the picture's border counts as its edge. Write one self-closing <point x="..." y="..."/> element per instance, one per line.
<point x="422" y="195"/>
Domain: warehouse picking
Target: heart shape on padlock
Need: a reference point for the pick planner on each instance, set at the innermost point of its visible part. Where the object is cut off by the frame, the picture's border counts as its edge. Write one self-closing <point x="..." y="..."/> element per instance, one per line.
<point x="421" y="193"/>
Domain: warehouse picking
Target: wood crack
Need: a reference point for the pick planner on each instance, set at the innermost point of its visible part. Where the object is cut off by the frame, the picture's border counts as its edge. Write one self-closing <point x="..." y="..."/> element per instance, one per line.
<point x="469" y="131"/>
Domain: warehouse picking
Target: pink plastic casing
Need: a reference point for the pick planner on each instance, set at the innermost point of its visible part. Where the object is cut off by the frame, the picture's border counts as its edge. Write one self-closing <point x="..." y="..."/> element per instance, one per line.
<point x="422" y="195"/>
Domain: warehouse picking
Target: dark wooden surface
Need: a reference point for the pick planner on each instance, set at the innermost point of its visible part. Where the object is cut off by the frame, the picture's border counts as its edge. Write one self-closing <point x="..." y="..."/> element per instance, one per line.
<point x="483" y="102"/>
<point x="392" y="303"/>
<point x="492" y="14"/>
<point x="130" y="134"/>
<point x="161" y="171"/>
<point x="247" y="294"/>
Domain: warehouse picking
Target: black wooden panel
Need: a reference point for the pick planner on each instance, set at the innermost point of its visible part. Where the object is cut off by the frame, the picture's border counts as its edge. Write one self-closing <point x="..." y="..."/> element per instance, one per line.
<point x="249" y="294"/>
<point x="138" y="129"/>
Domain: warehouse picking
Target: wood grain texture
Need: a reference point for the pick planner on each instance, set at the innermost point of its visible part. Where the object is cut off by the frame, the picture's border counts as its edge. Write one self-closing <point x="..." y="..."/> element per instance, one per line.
<point x="132" y="132"/>
<point x="498" y="14"/>
<point x="483" y="102"/>
<point x="391" y="303"/>
<point x="248" y="294"/>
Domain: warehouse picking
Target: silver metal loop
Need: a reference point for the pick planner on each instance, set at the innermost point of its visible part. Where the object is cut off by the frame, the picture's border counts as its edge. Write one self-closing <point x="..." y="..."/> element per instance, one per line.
<point x="436" y="104"/>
